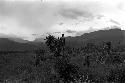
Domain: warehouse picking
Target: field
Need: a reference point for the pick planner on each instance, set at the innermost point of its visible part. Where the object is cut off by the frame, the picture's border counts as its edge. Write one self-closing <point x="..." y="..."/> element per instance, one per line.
<point x="100" y="67"/>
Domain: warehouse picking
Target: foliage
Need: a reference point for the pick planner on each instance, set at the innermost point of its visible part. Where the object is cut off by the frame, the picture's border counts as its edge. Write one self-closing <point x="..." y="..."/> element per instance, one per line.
<point x="92" y="63"/>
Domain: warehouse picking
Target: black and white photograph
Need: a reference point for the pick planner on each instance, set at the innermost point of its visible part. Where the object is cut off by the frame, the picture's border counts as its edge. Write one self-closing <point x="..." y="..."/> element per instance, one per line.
<point x="62" y="41"/>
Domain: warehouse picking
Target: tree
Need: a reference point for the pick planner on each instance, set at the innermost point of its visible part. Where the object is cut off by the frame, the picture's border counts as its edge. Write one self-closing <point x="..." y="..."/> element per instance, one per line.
<point x="56" y="45"/>
<point x="66" y="71"/>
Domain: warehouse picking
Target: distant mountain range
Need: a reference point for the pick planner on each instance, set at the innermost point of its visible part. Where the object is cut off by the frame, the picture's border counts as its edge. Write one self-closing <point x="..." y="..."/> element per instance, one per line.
<point x="114" y="35"/>
<point x="7" y="44"/>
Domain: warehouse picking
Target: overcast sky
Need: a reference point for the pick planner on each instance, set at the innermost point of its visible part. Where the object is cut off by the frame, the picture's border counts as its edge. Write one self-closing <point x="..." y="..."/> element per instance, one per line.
<point x="29" y="19"/>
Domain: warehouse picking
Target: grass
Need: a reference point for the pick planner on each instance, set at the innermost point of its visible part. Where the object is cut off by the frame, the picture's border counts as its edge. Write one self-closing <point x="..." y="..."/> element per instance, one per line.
<point x="19" y="67"/>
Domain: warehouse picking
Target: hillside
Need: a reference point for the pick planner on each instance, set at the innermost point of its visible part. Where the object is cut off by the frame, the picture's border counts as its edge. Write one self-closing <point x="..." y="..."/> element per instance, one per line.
<point x="113" y="35"/>
<point x="6" y="44"/>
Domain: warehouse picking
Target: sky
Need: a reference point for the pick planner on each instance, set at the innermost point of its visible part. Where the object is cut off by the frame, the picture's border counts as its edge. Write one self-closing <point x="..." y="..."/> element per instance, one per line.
<point x="30" y="19"/>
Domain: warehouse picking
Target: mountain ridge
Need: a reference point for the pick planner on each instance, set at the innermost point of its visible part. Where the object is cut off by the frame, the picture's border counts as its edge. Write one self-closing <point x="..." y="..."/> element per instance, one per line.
<point x="7" y="44"/>
<point x="113" y="35"/>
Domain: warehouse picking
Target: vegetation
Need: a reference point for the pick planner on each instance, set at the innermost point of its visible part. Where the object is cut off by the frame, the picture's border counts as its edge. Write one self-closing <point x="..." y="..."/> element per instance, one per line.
<point x="92" y="63"/>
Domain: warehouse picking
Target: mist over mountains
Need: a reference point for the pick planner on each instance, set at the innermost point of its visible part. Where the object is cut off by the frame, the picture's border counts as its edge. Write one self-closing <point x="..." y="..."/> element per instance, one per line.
<point x="113" y="35"/>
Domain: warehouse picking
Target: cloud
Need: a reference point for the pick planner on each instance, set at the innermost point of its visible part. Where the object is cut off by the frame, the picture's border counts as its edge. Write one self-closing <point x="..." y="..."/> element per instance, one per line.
<point x="70" y="31"/>
<point x="74" y="14"/>
<point x="61" y="23"/>
<point x="87" y="10"/>
<point x="29" y="14"/>
<point x="24" y="18"/>
<point x="113" y="21"/>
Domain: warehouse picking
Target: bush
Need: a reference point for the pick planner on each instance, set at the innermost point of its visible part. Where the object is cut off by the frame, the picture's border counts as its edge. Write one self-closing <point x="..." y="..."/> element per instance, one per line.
<point x="113" y="59"/>
<point x="116" y="75"/>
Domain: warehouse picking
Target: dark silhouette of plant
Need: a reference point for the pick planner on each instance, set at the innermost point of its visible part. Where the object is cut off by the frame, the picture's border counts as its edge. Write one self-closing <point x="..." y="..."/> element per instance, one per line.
<point x="56" y="45"/>
<point x="116" y="75"/>
<point x="51" y="43"/>
<point x="66" y="71"/>
<point x="87" y="60"/>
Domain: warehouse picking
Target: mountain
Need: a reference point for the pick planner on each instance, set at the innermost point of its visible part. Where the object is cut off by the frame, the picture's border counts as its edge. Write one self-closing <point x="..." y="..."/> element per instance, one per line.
<point x="114" y="35"/>
<point x="37" y="40"/>
<point x="105" y="35"/>
<point x="13" y="38"/>
<point x="7" y="44"/>
<point x="19" y="40"/>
